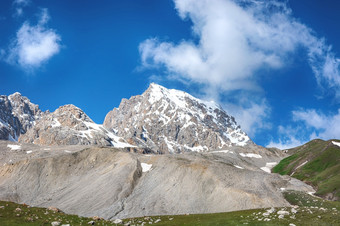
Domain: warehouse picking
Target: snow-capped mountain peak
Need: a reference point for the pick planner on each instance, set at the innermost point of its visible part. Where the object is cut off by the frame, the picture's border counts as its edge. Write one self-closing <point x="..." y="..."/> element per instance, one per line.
<point x="169" y="120"/>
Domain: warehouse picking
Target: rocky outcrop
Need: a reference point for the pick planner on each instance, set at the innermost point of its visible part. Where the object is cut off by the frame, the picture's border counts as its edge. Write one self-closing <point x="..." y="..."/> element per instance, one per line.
<point x="17" y="115"/>
<point x="172" y="121"/>
<point x="69" y="125"/>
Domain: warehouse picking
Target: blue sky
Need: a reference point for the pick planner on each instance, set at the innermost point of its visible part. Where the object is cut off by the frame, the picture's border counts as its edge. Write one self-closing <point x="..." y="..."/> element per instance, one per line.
<point x="274" y="65"/>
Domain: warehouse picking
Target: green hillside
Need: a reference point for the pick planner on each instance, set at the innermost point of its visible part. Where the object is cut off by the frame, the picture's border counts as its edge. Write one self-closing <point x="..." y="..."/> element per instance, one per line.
<point x="317" y="163"/>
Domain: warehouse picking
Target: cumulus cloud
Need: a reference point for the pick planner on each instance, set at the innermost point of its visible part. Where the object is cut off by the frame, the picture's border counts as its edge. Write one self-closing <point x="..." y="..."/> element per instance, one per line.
<point x="232" y="41"/>
<point x="34" y="45"/>
<point x="237" y="38"/>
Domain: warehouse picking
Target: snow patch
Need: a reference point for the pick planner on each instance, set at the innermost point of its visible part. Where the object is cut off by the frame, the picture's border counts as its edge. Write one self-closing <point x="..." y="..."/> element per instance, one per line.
<point x="55" y="123"/>
<point x="29" y="152"/>
<point x="14" y="147"/>
<point x="336" y="143"/>
<point x="238" y="167"/>
<point x="268" y="167"/>
<point x="301" y="165"/>
<point x="67" y="151"/>
<point x="222" y="151"/>
<point x="96" y="128"/>
<point x="146" y="167"/>
<point x="250" y="155"/>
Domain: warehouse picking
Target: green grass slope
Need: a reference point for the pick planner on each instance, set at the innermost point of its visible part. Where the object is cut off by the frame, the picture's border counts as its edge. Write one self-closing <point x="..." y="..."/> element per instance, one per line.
<point x="307" y="210"/>
<point x="316" y="163"/>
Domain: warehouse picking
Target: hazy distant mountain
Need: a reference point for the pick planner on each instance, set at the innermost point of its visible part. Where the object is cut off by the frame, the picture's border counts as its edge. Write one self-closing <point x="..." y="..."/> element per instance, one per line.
<point x="172" y="121"/>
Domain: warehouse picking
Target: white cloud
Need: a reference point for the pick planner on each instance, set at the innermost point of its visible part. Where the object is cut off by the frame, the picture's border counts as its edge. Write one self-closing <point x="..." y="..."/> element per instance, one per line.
<point x="19" y="5"/>
<point x="251" y="116"/>
<point x="34" y="45"/>
<point x="233" y="40"/>
<point x="323" y="126"/>
<point x="236" y="38"/>
<point x="21" y="2"/>
<point x="314" y="125"/>
<point x="289" y="138"/>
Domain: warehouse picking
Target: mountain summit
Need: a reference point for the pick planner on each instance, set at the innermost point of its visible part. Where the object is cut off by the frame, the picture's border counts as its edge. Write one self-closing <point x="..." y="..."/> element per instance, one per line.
<point x="172" y="121"/>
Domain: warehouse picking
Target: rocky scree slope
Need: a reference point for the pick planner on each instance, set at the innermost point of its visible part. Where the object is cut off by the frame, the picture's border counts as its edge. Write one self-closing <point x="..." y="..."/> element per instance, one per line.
<point x="69" y="125"/>
<point x="172" y="121"/>
<point x="111" y="183"/>
<point x="17" y="115"/>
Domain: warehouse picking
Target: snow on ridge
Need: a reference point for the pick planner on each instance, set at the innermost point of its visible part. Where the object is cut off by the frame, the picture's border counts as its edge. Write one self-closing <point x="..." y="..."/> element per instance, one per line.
<point x="177" y="96"/>
<point x="336" y="143"/>
<point x="250" y="155"/>
<point x="101" y="129"/>
<point x="146" y="167"/>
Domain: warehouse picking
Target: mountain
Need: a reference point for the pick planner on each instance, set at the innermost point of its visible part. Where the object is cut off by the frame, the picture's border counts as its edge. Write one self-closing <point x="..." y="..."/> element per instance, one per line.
<point x="317" y="163"/>
<point x="172" y="121"/>
<point x="17" y="115"/>
<point x="113" y="183"/>
<point x="69" y="125"/>
<point x="64" y="159"/>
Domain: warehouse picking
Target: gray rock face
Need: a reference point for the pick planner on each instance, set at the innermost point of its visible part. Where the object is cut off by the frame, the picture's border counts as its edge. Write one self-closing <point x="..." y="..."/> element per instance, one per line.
<point x="111" y="183"/>
<point x="172" y="121"/>
<point x="17" y="115"/>
<point x="69" y="125"/>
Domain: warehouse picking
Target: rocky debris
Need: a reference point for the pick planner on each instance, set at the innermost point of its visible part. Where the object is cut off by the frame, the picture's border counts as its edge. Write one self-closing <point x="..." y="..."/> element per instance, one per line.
<point x="282" y="212"/>
<point x="55" y="223"/>
<point x="17" y="115"/>
<point x="117" y="221"/>
<point x="54" y="209"/>
<point x="177" y="184"/>
<point x="172" y="121"/>
<point x="69" y="125"/>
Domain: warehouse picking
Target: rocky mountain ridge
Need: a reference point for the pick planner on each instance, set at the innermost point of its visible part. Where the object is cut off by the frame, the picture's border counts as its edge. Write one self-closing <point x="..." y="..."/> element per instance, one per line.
<point x="160" y="120"/>
<point x="172" y="121"/>
<point x="17" y="115"/>
<point x="69" y="125"/>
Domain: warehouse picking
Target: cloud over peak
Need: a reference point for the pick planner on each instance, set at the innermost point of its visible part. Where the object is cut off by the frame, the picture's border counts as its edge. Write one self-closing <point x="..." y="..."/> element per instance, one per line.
<point x="237" y="38"/>
<point x="233" y="41"/>
<point x="34" y="45"/>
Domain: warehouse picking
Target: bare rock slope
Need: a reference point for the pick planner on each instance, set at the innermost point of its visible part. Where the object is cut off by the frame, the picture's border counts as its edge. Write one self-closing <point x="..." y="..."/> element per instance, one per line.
<point x="17" y="115"/>
<point x="112" y="183"/>
<point x="172" y="121"/>
<point x="69" y="125"/>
